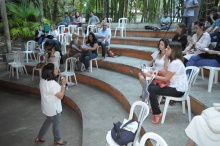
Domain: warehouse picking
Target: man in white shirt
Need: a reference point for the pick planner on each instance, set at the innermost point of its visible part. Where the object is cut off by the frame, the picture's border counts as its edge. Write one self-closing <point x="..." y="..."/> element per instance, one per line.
<point x="104" y="36"/>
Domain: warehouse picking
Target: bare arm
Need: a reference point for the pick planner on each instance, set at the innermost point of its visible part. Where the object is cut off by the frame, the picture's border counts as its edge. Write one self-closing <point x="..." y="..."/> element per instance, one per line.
<point x="60" y="94"/>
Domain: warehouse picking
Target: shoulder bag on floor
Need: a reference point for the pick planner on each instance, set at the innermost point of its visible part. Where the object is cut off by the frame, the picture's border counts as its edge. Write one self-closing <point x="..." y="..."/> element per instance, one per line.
<point x="123" y="136"/>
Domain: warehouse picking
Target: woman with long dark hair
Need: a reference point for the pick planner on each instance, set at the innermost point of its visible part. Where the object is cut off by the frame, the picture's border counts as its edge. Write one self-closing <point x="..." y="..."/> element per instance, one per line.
<point x="181" y="35"/>
<point x="176" y="74"/>
<point x="51" y="95"/>
<point x="90" y="51"/>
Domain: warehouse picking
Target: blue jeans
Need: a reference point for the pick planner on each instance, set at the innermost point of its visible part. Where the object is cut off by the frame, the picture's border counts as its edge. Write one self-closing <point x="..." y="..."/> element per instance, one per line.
<point x="40" y="40"/>
<point x="215" y="36"/>
<point x="199" y="61"/>
<point x="85" y="59"/>
<point x="56" y="121"/>
<point x="103" y="48"/>
<point x="188" y="21"/>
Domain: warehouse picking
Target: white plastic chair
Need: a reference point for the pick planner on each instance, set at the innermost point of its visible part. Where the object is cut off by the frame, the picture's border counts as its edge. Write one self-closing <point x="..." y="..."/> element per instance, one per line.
<point x="39" y="69"/>
<point x="94" y="59"/>
<point x="72" y="28"/>
<point x="62" y="39"/>
<point x="69" y="70"/>
<point x="157" y="138"/>
<point x="185" y="97"/>
<point x="110" y="22"/>
<point x="213" y="73"/>
<point x="61" y="29"/>
<point x="93" y="28"/>
<point x="30" y="48"/>
<point x="122" y="22"/>
<point x="18" y="65"/>
<point x="144" y="111"/>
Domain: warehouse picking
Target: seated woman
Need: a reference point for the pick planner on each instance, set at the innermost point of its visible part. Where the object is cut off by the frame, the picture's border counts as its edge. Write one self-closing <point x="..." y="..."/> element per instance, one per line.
<point x="159" y="61"/>
<point x="92" y="45"/>
<point x="53" y="32"/>
<point x="54" y="56"/>
<point x="176" y="74"/>
<point x="77" y="21"/>
<point x="200" y="134"/>
<point x="210" y="58"/>
<point x="198" y="41"/>
<point x="181" y="35"/>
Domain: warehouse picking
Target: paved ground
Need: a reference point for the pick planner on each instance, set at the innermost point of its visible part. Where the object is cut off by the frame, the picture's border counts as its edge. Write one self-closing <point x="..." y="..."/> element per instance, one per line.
<point x="21" y="119"/>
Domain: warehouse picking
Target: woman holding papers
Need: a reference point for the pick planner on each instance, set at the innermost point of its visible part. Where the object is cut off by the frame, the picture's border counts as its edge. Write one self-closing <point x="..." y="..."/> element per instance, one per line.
<point x="89" y="50"/>
<point x="199" y="40"/>
<point x="209" y="58"/>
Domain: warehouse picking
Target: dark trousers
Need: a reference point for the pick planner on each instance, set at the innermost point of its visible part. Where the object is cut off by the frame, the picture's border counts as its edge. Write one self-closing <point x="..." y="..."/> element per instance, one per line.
<point x="103" y="47"/>
<point x="188" y="21"/>
<point x="155" y="90"/>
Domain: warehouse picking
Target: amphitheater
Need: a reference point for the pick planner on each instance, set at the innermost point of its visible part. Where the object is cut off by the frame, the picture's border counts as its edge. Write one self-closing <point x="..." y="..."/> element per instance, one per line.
<point x="100" y="99"/>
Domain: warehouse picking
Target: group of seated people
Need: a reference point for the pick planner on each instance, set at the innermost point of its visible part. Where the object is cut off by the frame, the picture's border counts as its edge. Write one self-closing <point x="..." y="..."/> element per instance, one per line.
<point x="172" y="58"/>
<point x="87" y="51"/>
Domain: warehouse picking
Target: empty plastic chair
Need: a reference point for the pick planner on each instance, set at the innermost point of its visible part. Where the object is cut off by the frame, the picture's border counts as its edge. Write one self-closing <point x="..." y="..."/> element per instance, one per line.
<point x="153" y="136"/>
<point x="69" y="70"/>
<point x="213" y="74"/>
<point x="30" y="50"/>
<point x="18" y="65"/>
<point x="122" y="22"/>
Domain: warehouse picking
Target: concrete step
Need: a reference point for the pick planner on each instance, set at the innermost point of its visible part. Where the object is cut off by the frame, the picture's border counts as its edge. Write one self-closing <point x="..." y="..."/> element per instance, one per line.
<point x="141" y="52"/>
<point x="146" y="33"/>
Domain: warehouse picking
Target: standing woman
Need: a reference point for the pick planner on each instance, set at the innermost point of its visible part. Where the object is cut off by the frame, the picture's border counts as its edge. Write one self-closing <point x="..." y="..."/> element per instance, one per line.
<point x="51" y="95"/>
<point x="90" y="52"/>
<point x="176" y="74"/>
<point x="181" y="35"/>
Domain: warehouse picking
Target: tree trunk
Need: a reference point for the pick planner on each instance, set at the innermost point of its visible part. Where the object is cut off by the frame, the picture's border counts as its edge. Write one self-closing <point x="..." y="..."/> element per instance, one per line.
<point x="41" y="10"/>
<point x="5" y="25"/>
<point x="55" y="11"/>
<point x="49" y="9"/>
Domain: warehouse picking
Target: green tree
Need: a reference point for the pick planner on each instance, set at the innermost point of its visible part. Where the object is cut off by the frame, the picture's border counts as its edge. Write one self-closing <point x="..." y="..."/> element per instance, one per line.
<point x="23" y="19"/>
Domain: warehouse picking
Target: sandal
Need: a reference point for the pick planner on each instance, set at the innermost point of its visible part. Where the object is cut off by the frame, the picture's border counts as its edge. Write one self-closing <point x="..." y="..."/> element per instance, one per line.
<point x="157" y="118"/>
<point x="38" y="141"/>
<point x="60" y="143"/>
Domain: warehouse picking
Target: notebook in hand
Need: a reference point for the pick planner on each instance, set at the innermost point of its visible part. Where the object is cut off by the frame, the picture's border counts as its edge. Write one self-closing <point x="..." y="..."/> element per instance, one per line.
<point x="84" y="46"/>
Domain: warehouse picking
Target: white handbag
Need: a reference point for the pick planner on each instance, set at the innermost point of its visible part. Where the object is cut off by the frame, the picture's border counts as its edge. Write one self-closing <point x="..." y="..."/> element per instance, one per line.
<point x="212" y="117"/>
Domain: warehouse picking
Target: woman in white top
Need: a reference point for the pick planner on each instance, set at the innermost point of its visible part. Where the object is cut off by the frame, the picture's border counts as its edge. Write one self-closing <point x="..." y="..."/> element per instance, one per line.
<point x="159" y="61"/>
<point x="175" y="73"/>
<point x="51" y="95"/>
<point x="53" y="32"/>
<point x="199" y="40"/>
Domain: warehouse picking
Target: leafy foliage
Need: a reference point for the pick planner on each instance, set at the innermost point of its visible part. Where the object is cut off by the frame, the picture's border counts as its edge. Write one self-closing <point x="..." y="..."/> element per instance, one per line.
<point x="22" y="20"/>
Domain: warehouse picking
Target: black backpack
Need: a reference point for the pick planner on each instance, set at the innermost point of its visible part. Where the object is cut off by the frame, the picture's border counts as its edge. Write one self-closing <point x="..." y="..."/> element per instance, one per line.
<point x="122" y="136"/>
